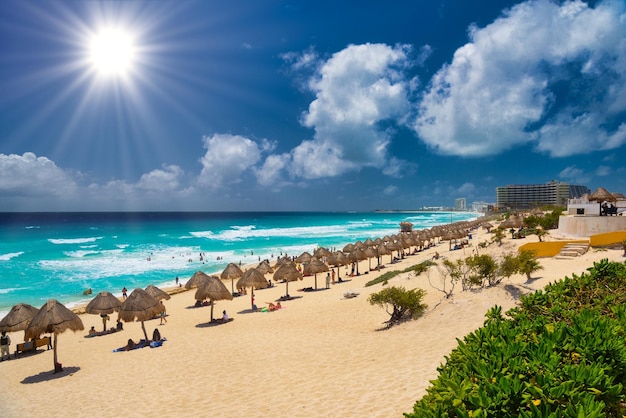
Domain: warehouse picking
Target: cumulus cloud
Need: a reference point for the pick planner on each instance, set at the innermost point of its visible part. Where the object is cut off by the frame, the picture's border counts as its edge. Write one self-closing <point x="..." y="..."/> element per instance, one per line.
<point x="398" y="168"/>
<point x="29" y="175"/>
<point x="167" y="178"/>
<point x="466" y="189"/>
<point x="356" y="90"/>
<point x="602" y="171"/>
<point x="227" y="158"/>
<point x="549" y="74"/>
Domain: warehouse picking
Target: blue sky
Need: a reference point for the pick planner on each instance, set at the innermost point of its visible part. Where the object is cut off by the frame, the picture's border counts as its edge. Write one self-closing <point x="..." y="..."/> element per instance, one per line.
<point x="306" y="105"/>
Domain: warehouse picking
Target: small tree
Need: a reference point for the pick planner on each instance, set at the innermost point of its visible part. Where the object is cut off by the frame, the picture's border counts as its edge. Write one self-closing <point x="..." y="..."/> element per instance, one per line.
<point x="527" y="263"/>
<point x="402" y="305"/>
<point x="484" y="270"/>
<point x="509" y="265"/>
<point x="498" y="235"/>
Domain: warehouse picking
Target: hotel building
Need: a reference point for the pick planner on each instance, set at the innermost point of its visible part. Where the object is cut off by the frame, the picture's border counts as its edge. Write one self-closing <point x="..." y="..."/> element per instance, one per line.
<point x="527" y="196"/>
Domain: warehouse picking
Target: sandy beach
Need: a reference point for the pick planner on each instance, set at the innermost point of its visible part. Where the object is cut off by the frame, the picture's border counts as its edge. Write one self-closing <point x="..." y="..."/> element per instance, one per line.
<point x="321" y="355"/>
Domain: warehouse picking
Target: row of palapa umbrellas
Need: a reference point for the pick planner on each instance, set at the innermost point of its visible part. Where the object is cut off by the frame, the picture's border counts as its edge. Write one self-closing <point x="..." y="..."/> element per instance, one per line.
<point x="54" y="318"/>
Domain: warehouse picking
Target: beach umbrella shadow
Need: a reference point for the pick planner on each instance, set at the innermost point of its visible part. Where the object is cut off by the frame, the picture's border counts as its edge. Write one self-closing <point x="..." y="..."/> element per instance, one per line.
<point x="54" y="318"/>
<point x="45" y="376"/>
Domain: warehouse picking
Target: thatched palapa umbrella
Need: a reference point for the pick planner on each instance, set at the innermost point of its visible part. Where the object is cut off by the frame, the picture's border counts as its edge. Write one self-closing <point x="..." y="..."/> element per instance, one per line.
<point x="602" y="195"/>
<point x="157" y="293"/>
<point x="195" y="280"/>
<point x="254" y="279"/>
<point x="53" y="318"/>
<point x="232" y="272"/>
<point x="139" y="304"/>
<point x="18" y="317"/>
<point x="103" y="304"/>
<point x="287" y="273"/>
<point x="213" y="289"/>
<point x="264" y="267"/>
<point x="315" y="266"/>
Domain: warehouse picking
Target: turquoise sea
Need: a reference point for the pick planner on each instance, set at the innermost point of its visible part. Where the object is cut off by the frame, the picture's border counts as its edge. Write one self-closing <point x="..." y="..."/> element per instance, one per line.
<point x="59" y="255"/>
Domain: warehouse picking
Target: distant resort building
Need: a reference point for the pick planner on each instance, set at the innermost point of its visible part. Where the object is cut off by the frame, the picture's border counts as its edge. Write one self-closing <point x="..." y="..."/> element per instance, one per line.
<point x="528" y="196"/>
<point x="460" y="204"/>
<point x="599" y="213"/>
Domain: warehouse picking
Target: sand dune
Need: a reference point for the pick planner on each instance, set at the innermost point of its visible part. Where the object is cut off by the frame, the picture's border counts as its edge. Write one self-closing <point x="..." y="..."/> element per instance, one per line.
<point x="321" y="355"/>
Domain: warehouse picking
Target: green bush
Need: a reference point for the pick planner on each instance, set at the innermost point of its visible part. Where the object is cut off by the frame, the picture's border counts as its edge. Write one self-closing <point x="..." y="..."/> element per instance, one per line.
<point x="402" y="305"/>
<point x="561" y="353"/>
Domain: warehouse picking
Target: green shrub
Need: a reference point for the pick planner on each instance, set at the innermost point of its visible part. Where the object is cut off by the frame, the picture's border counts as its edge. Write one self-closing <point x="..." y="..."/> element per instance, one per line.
<point x="560" y="353"/>
<point x="402" y="305"/>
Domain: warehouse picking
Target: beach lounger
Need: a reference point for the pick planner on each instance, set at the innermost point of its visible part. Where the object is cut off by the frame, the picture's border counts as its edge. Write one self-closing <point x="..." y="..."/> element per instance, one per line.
<point x="33" y="345"/>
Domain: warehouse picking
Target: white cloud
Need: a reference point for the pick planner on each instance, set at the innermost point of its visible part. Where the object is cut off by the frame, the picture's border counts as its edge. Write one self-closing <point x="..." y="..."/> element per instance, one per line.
<point x="161" y="180"/>
<point x="32" y="176"/>
<point x="574" y="175"/>
<point x="399" y="168"/>
<point x="227" y="158"/>
<point x="390" y="190"/>
<point x="549" y="74"/>
<point x="269" y="174"/>
<point x="355" y="90"/>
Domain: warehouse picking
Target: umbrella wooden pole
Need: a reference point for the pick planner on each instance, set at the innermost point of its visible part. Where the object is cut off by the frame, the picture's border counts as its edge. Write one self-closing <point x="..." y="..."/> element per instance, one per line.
<point x="54" y="345"/>
<point x="211" y="311"/>
<point x="315" y="281"/>
<point x="143" y="327"/>
<point x="232" y="287"/>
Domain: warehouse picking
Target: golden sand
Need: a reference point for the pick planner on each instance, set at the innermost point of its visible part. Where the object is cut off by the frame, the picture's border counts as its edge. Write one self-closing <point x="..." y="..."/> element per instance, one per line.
<point x="321" y="355"/>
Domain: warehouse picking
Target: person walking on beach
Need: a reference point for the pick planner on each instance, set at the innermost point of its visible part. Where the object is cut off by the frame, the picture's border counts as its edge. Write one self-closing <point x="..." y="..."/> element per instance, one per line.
<point x="5" y="342"/>
<point x="124" y="292"/>
<point x="333" y="276"/>
<point x="328" y="281"/>
<point x="163" y="312"/>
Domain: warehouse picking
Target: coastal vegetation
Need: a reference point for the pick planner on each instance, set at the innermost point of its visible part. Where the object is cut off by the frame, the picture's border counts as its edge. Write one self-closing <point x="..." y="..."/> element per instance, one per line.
<point x="416" y="270"/>
<point x="401" y="304"/>
<point x="560" y="353"/>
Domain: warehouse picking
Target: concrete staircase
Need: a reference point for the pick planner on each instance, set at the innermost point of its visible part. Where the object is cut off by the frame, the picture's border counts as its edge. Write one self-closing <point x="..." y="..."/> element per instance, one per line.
<point x="573" y="250"/>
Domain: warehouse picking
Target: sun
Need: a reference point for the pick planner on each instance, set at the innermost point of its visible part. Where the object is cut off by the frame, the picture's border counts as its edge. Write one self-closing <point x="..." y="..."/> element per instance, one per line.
<point x="112" y="52"/>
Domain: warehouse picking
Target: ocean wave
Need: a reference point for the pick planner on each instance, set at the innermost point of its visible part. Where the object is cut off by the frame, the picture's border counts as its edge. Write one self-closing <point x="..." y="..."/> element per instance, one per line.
<point x="73" y="240"/>
<point x="9" y="256"/>
<point x="241" y="233"/>
<point x="9" y="290"/>
<point x="80" y="254"/>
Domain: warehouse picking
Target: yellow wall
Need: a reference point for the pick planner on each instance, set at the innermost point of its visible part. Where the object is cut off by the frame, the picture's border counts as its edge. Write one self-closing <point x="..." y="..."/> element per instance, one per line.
<point x="547" y="249"/>
<point x="607" y="238"/>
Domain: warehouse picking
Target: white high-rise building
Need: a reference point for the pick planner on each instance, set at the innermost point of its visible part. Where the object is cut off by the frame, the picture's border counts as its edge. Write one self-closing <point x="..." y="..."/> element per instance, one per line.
<point x="460" y="204"/>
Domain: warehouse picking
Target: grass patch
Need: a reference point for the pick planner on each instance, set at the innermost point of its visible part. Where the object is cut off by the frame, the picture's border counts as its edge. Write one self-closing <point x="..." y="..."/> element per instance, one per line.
<point x="416" y="268"/>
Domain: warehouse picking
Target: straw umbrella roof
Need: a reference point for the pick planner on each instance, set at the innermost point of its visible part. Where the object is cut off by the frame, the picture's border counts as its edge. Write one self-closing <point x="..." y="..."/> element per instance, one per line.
<point x="157" y="293"/>
<point x="348" y="248"/>
<point x="53" y="317"/>
<point x="252" y="278"/>
<point x="601" y="194"/>
<point x="264" y="267"/>
<point x="139" y="304"/>
<point x="315" y="266"/>
<point x="322" y="252"/>
<point x="232" y="272"/>
<point x="305" y="257"/>
<point x="214" y="290"/>
<point x="287" y="273"/>
<point x="103" y="303"/>
<point x="18" y="317"/>
<point x="197" y="278"/>
<point x="338" y="259"/>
